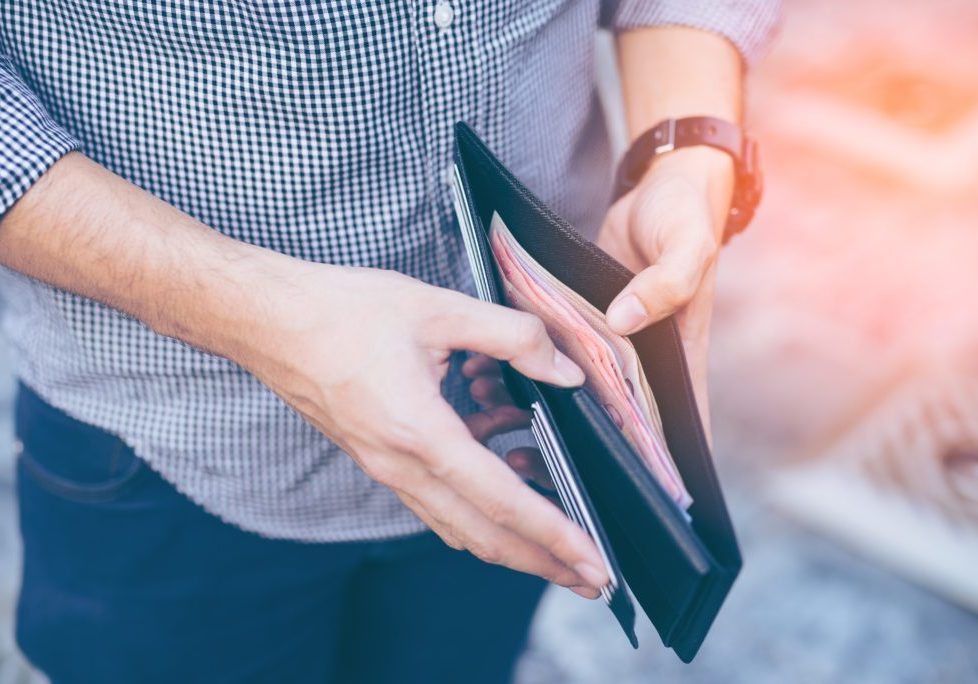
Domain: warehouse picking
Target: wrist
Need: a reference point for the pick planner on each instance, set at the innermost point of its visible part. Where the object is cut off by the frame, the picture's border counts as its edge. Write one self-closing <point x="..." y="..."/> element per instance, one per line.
<point x="703" y="165"/>
<point x="237" y="301"/>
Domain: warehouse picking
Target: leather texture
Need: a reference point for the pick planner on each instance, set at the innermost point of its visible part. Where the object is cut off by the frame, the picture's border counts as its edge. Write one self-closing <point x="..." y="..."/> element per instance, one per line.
<point x="679" y="569"/>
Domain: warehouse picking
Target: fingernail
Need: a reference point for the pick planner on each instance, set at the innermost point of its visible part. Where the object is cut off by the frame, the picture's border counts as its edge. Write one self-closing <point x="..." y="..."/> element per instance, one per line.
<point x="626" y="315"/>
<point x="586" y="592"/>
<point x="590" y="574"/>
<point x="568" y="371"/>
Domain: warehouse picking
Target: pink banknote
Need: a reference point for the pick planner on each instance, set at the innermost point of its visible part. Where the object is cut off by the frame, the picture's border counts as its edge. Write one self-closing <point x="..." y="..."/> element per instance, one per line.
<point x="611" y="366"/>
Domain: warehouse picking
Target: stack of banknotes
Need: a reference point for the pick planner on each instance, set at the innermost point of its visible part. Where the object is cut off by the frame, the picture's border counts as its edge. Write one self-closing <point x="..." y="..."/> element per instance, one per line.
<point x="610" y="363"/>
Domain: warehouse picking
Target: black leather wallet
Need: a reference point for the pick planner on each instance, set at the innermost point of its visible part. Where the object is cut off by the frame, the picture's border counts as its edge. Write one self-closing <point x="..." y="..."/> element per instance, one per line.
<point x="679" y="565"/>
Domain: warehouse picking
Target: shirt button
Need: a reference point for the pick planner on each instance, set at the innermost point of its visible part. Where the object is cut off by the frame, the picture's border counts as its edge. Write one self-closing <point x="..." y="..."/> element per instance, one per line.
<point x="444" y="14"/>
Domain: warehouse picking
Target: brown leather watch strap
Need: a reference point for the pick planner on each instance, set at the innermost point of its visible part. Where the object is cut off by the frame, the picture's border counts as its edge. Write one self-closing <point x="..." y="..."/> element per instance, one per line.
<point x="673" y="134"/>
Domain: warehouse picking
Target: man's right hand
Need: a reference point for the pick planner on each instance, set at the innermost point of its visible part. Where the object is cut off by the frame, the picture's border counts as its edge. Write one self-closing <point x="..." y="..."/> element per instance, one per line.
<point x="361" y="353"/>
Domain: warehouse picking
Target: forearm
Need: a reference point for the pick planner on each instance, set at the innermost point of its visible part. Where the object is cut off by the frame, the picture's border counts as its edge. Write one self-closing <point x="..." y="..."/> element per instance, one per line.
<point x="673" y="72"/>
<point x="83" y="229"/>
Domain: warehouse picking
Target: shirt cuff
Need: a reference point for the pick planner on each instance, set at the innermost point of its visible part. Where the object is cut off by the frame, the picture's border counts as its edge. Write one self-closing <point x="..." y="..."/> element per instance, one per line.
<point x="749" y="24"/>
<point x="30" y="140"/>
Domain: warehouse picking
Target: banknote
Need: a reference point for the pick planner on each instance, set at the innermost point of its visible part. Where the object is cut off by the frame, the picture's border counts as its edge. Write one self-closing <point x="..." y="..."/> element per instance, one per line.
<point x="610" y="363"/>
<point x="624" y="351"/>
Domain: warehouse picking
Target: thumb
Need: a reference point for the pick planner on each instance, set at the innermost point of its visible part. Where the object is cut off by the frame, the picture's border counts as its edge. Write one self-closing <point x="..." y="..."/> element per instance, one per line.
<point x="514" y="336"/>
<point x="669" y="284"/>
<point x="658" y="291"/>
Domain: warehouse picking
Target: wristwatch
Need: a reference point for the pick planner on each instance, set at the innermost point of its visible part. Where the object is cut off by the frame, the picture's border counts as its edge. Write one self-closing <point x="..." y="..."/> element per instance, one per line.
<point x="673" y="134"/>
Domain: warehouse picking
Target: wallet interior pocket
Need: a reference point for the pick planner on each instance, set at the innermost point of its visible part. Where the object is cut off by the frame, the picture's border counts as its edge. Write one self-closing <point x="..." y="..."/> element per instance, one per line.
<point x="653" y="541"/>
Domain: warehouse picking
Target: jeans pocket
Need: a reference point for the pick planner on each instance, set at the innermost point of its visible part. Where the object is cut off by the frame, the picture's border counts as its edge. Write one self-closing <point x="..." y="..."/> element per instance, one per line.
<point x="69" y="458"/>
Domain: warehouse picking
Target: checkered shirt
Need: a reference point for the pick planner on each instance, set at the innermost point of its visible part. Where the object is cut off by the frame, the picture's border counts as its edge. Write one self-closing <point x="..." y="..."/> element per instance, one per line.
<point x="319" y="129"/>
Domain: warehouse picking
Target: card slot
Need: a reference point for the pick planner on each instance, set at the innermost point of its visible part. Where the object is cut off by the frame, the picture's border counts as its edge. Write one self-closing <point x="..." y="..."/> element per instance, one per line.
<point x="571" y="507"/>
<point x="572" y="511"/>
<point x="567" y="480"/>
<point x="555" y="475"/>
<point x="473" y="245"/>
<point x="576" y="494"/>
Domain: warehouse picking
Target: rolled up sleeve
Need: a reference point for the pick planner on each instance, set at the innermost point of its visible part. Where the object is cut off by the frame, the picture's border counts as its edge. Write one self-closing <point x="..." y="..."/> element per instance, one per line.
<point x="749" y="24"/>
<point x="30" y="140"/>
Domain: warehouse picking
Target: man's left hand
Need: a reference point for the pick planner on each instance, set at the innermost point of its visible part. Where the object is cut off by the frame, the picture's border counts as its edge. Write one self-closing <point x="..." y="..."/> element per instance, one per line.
<point x="668" y="230"/>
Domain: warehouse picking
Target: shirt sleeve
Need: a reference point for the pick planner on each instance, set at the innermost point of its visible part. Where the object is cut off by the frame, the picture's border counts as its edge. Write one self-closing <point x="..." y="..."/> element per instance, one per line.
<point x="749" y="24"/>
<point x="30" y="140"/>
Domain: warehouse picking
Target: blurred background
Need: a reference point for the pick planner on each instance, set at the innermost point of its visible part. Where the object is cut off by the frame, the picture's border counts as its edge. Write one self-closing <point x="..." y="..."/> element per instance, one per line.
<point x="844" y="375"/>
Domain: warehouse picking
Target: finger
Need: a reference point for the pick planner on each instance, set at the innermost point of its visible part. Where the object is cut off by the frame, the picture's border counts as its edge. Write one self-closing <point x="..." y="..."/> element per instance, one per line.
<point x="479" y="364"/>
<point x="506" y="334"/>
<point x="528" y="464"/>
<point x="671" y="227"/>
<point x="662" y="288"/>
<point x="489" y="392"/>
<point x="498" y="420"/>
<point x="461" y="526"/>
<point x="496" y="491"/>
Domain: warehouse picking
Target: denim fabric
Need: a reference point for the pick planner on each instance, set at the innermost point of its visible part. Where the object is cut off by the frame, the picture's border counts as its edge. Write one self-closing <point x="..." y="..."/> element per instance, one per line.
<point x="126" y="580"/>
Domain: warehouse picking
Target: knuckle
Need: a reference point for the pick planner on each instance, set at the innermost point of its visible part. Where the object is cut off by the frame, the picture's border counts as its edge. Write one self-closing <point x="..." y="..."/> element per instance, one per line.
<point x="442" y="469"/>
<point x="563" y="540"/>
<point x="501" y="512"/>
<point x="450" y="536"/>
<point x="559" y="574"/>
<point x="380" y="470"/>
<point x="675" y="288"/>
<point x="439" y="313"/>
<point x="435" y="323"/>
<point x="404" y="437"/>
<point x="616" y="216"/>
<point x="487" y="552"/>
<point x="530" y="332"/>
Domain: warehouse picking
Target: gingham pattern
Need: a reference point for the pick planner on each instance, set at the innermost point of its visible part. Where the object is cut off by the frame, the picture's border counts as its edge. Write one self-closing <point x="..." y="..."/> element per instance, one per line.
<point x="318" y="129"/>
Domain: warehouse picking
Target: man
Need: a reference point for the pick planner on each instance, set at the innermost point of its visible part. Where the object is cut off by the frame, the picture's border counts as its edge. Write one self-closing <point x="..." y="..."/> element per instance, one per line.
<point x="241" y="329"/>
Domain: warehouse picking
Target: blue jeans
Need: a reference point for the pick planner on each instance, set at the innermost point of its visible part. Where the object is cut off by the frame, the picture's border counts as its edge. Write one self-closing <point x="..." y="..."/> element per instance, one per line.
<point x="126" y="580"/>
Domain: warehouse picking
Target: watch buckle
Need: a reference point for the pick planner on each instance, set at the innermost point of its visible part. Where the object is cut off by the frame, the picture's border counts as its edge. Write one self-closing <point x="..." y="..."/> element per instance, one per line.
<point x="670" y="143"/>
